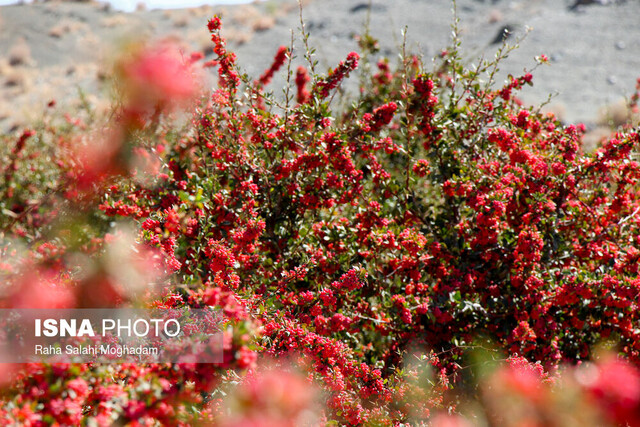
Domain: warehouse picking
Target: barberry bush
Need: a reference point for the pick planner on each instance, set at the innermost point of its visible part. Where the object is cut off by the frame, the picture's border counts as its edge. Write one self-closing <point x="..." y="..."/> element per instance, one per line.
<point x="430" y="246"/>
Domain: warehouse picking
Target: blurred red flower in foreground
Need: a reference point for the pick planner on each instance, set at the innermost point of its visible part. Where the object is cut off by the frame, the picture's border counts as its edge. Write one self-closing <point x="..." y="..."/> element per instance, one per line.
<point x="154" y="78"/>
<point x="99" y="158"/>
<point x="273" y="397"/>
<point x="615" y="385"/>
<point x="40" y="288"/>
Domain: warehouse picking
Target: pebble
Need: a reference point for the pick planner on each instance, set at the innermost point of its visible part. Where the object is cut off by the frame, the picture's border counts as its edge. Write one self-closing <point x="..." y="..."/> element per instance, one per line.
<point x="612" y="80"/>
<point x="620" y="45"/>
<point x="557" y="56"/>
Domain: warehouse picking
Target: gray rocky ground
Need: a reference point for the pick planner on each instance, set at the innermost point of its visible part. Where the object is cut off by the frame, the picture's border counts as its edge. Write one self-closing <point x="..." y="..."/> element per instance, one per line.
<point x="49" y="50"/>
